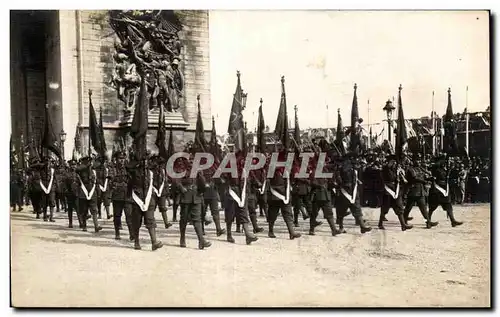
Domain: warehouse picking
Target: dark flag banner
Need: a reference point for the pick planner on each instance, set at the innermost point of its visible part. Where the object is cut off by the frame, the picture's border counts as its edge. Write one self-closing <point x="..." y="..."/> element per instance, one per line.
<point x="94" y="131"/>
<point x="214" y="146"/>
<point x="281" y="129"/>
<point x="200" y="144"/>
<point x="49" y="140"/>
<point x="161" y="135"/>
<point x="355" y="138"/>
<point x="101" y="133"/>
<point x="340" y="135"/>
<point x="296" y="130"/>
<point x="236" y="126"/>
<point x="139" y="127"/>
<point x="261" y="126"/>
<point x="401" y="133"/>
<point x="450" y="145"/>
<point x="170" y="148"/>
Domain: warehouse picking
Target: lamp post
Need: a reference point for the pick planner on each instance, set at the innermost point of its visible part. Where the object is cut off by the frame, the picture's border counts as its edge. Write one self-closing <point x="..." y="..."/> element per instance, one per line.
<point x="62" y="136"/>
<point x="389" y="109"/>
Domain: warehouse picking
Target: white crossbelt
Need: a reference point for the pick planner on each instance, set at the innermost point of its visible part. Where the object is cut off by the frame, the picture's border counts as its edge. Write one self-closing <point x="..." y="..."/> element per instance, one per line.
<point x="144" y="204"/>
<point x="391" y="192"/>
<point x="237" y="199"/>
<point x="105" y="187"/>
<point x="160" y="190"/>
<point x="88" y="195"/>
<point x="286" y="199"/>
<point x="354" y="192"/>
<point x="441" y="189"/>
<point x="47" y="189"/>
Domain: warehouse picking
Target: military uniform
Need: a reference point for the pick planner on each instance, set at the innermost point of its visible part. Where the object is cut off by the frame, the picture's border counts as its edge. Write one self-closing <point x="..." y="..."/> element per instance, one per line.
<point x="211" y="200"/>
<point x="301" y="199"/>
<point x="392" y="196"/>
<point x="191" y="204"/>
<point x="59" y="186"/>
<point x="322" y="190"/>
<point x="118" y="184"/>
<point x="70" y="184"/>
<point x="103" y="192"/>
<point x="16" y="185"/>
<point x="255" y="186"/>
<point x="140" y="188"/>
<point x="175" y="195"/>
<point x="47" y="188"/>
<point x="160" y="183"/>
<point x="417" y="179"/>
<point x="348" y="198"/>
<point x="236" y="206"/>
<point x="87" y="196"/>
<point x="439" y="194"/>
<point x="279" y="199"/>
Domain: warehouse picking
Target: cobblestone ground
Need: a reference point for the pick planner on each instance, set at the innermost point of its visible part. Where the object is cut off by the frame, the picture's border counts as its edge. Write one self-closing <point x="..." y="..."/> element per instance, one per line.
<point x="52" y="265"/>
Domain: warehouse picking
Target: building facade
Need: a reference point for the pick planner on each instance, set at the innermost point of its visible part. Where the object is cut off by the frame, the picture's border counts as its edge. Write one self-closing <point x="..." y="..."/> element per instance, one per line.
<point x="58" y="56"/>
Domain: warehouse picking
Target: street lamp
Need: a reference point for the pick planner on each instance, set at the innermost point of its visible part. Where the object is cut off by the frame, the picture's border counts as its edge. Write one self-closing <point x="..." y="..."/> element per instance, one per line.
<point x="62" y="137"/>
<point x="389" y="109"/>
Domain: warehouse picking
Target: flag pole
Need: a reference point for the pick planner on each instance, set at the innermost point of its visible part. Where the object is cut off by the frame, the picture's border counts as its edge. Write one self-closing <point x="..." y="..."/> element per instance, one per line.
<point x="369" y="127"/>
<point x="433" y="115"/>
<point x="467" y="120"/>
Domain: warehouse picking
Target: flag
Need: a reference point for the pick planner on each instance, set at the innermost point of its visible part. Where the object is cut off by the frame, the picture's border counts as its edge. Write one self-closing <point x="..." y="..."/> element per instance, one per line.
<point x="161" y="135"/>
<point x="170" y="148"/>
<point x="281" y="129"/>
<point x="94" y="131"/>
<point x="49" y="140"/>
<point x="450" y="145"/>
<point x="296" y="129"/>
<point x="355" y="139"/>
<point x="401" y="134"/>
<point x="101" y="132"/>
<point x="139" y="127"/>
<point x="340" y="135"/>
<point x="200" y="144"/>
<point x="214" y="145"/>
<point x="235" y="127"/>
<point x="261" y="127"/>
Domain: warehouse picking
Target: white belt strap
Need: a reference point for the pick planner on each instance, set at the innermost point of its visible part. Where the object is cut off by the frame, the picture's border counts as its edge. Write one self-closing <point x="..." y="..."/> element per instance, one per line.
<point x="354" y="192"/>
<point x="391" y="192"/>
<point x="238" y="200"/>
<point x="105" y="187"/>
<point x="445" y="193"/>
<point x="144" y="204"/>
<point x="88" y="195"/>
<point x="286" y="199"/>
<point x="160" y="190"/>
<point x="334" y="190"/>
<point x="47" y="189"/>
<point x="261" y="190"/>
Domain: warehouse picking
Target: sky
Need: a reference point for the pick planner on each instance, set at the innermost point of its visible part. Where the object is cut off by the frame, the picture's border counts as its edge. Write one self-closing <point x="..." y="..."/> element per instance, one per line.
<point x="322" y="54"/>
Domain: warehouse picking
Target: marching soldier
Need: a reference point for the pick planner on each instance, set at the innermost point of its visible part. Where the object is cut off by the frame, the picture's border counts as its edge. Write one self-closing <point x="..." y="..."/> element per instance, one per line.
<point x="439" y="194"/>
<point x="118" y="184"/>
<point x="70" y="188"/>
<point x="300" y="197"/>
<point x="392" y="177"/>
<point x="322" y="190"/>
<point x="16" y="185"/>
<point x="160" y="188"/>
<point x="417" y="179"/>
<point x="348" y="181"/>
<point x="87" y="196"/>
<point x="103" y="193"/>
<point x="176" y="199"/>
<point x="254" y="186"/>
<point x="144" y="201"/>
<point x="279" y="198"/>
<point x="191" y="204"/>
<point x="48" y="187"/>
<point x="211" y="200"/>
<point x="60" y="174"/>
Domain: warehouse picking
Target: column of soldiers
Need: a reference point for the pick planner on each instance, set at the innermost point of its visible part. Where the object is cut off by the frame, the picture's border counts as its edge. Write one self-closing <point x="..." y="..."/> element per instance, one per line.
<point x="139" y="188"/>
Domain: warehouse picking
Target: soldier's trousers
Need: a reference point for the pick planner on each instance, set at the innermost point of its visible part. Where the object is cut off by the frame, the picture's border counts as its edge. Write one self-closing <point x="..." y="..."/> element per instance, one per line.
<point x="325" y="206"/>
<point x="71" y="206"/>
<point x="36" y="201"/>
<point x="389" y="202"/>
<point x="84" y="208"/>
<point x="437" y="199"/>
<point x="190" y="212"/>
<point x="343" y="204"/>
<point x="300" y="202"/>
<point x="233" y="211"/>
<point x="120" y="207"/>
<point x="15" y="197"/>
<point x="48" y="201"/>
<point x="274" y="209"/>
<point x="138" y="215"/>
<point x="263" y="206"/>
<point x="60" y="201"/>
<point x="420" y="201"/>
<point x="213" y="205"/>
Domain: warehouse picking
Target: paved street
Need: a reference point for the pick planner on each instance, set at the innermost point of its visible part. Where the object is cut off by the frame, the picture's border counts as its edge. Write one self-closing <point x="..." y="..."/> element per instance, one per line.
<point x="56" y="266"/>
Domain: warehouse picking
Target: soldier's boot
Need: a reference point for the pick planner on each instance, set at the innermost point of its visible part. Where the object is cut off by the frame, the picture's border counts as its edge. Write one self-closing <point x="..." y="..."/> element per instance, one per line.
<point x="229" y="238"/>
<point x="97" y="228"/>
<point x="454" y="222"/>
<point x="203" y="228"/>
<point x="404" y="225"/>
<point x="256" y="228"/>
<point x="312" y="224"/>
<point x="137" y="243"/>
<point x="174" y="217"/>
<point x="271" y="230"/>
<point x="428" y="216"/>
<point x="108" y="214"/>
<point x="296" y="217"/>
<point x="238" y="228"/>
<point x="381" y="221"/>
<point x="291" y="230"/>
<point x="45" y="218"/>
<point x="249" y="236"/>
<point x="334" y="229"/>
<point x="117" y="234"/>
<point x="70" y="220"/>
<point x="202" y="243"/>
<point x="207" y="221"/>
<point x="305" y="214"/>
<point x="182" y="227"/>
<point x="340" y="223"/>
<point x="165" y="219"/>
<point x="155" y="244"/>
<point x="51" y="214"/>
<point x="218" y="228"/>
<point x="84" y="223"/>
<point x="362" y="225"/>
